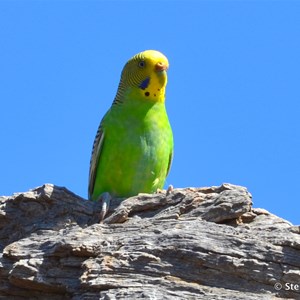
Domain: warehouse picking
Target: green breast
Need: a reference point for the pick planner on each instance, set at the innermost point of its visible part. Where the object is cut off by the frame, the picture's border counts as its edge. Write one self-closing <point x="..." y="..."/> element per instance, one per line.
<point x="136" y="151"/>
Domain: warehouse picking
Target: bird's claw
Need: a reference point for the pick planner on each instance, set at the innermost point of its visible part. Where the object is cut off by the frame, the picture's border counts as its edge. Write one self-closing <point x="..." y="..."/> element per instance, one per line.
<point x="169" y="189"/>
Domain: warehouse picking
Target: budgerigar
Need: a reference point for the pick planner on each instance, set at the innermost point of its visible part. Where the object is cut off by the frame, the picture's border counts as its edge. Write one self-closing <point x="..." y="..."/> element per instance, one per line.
<point x="133" y="148"/>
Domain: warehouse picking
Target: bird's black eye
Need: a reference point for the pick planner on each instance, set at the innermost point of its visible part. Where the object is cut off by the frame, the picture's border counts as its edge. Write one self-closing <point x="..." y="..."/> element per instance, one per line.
<point x="141" y="64"/>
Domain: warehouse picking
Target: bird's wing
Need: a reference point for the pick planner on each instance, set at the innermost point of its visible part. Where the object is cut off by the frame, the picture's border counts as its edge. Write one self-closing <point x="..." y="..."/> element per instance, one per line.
<point x="170" y="161"/>
<point x="97" y="147"/>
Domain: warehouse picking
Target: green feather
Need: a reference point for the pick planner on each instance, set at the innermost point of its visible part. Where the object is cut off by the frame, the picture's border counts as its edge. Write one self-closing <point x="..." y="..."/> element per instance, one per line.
<point x="133" y="147"/>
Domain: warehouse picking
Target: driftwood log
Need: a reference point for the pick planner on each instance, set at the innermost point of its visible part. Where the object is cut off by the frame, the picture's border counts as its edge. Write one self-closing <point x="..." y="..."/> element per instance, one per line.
<point x="192" y="243"/>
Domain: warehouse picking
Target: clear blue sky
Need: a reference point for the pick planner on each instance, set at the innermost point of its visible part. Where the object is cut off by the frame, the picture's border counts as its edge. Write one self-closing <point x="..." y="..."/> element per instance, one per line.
<point x="233" y="93"/>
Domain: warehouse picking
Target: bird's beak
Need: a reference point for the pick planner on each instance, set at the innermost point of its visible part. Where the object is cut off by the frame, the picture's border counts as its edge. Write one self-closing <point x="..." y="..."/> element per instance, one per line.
<point x="160" y="66"/>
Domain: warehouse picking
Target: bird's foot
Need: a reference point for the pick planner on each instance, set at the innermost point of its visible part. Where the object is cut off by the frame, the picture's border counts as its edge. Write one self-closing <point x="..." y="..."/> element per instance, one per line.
<point x="169" y="189"/>
<point x="105" y="200"/>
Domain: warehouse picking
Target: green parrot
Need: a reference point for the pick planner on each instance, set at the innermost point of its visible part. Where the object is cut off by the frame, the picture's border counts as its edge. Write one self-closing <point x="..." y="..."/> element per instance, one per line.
<point x="133" y="148"/>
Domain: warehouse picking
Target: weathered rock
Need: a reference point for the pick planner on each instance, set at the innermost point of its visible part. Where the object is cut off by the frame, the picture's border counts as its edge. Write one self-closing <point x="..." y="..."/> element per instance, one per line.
<point x="193" y="243"/>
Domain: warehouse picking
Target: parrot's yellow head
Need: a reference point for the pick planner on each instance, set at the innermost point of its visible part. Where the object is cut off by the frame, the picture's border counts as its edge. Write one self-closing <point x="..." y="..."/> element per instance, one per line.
<point x="145" y="75"/>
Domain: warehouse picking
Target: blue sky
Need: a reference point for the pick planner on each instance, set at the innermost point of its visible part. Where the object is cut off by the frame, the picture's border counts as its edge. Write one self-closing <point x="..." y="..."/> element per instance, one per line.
<point x="232" y="97"/>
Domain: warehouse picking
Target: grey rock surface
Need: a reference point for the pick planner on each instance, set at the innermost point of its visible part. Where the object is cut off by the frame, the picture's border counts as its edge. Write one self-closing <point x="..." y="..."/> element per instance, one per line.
<point x="192" y="243"/>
